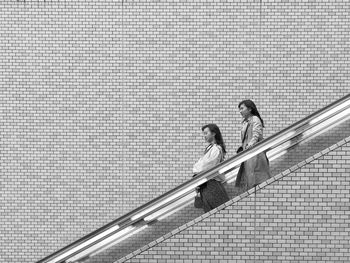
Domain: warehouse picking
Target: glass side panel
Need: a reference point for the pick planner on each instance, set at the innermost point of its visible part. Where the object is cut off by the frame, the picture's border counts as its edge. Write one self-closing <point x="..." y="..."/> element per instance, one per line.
<point x="298" y="151"/>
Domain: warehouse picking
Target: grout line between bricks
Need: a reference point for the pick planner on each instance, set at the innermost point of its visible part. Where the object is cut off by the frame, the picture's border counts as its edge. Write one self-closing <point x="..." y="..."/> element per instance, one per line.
<point x="236" y="199"/>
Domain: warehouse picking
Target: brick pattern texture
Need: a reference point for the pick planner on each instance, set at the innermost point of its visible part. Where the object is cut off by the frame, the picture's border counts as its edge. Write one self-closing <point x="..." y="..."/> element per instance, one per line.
<point x="101" y="103"/>
<point x="302" y="215"/>
<point x="296" y="158"/>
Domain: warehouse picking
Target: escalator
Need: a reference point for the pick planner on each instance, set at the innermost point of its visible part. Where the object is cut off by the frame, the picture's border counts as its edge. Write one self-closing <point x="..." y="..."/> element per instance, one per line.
<point x="160" y="216"/>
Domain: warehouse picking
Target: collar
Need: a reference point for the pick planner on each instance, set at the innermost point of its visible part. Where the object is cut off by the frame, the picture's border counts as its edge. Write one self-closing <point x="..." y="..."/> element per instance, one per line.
<point x="248" y="120"/>
<point x="209" y="147"/>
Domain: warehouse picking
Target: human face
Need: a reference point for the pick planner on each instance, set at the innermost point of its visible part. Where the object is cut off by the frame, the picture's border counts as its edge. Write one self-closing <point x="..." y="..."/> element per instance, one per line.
<point x="208" y="135"/>
<point x="244" y="111"/>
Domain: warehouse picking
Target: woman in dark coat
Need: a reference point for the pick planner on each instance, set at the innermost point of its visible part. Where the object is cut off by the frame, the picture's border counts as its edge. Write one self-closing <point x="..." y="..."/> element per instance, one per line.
<point x="255" y="170"/>
<point x="212" y="193"/>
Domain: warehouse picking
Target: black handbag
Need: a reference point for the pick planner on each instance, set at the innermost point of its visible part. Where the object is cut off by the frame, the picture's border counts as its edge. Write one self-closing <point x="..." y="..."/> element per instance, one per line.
<point x="240" y="149"/>
<point x="198" y="203"/>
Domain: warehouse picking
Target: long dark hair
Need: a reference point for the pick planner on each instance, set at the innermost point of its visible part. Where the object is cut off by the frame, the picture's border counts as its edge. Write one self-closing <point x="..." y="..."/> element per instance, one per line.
<point x="254" y="110"/>
<point x="218" y="137"/>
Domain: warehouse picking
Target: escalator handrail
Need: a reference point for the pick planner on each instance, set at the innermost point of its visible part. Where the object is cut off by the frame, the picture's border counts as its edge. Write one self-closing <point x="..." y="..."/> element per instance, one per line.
<point x="209" y="174"/>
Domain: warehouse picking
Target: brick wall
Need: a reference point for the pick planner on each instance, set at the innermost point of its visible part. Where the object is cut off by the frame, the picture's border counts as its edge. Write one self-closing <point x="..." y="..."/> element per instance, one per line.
<point x="297" y="154"/>
<point x="301" y="215"/>
<point x="102" y="103"/>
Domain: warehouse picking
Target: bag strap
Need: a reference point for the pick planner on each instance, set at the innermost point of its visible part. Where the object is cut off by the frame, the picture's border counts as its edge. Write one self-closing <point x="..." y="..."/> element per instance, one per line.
<point x="208" y="148"/>
<point x="245" y="132"/>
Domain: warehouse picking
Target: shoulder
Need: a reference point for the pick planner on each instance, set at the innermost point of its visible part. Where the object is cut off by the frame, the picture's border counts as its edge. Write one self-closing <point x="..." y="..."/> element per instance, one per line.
<point x="256" y="120"/>
<point x="216" y="148"/>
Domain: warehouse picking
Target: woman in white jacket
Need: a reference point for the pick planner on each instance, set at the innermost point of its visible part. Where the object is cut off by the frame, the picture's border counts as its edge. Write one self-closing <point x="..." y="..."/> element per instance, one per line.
<point x="212" y="193"/>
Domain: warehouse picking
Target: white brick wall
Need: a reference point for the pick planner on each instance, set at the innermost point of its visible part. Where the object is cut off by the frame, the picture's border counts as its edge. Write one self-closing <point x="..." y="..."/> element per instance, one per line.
<point x="97" y="118"/>
<point x="300" y="217"/>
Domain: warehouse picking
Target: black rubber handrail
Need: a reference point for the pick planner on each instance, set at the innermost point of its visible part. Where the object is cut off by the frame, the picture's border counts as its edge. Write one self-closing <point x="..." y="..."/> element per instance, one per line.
<point x="125" y="220"/>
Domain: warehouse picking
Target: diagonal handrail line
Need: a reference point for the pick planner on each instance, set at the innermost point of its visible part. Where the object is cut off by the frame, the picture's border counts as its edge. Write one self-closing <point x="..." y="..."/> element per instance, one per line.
<point x="224" y="167"/>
